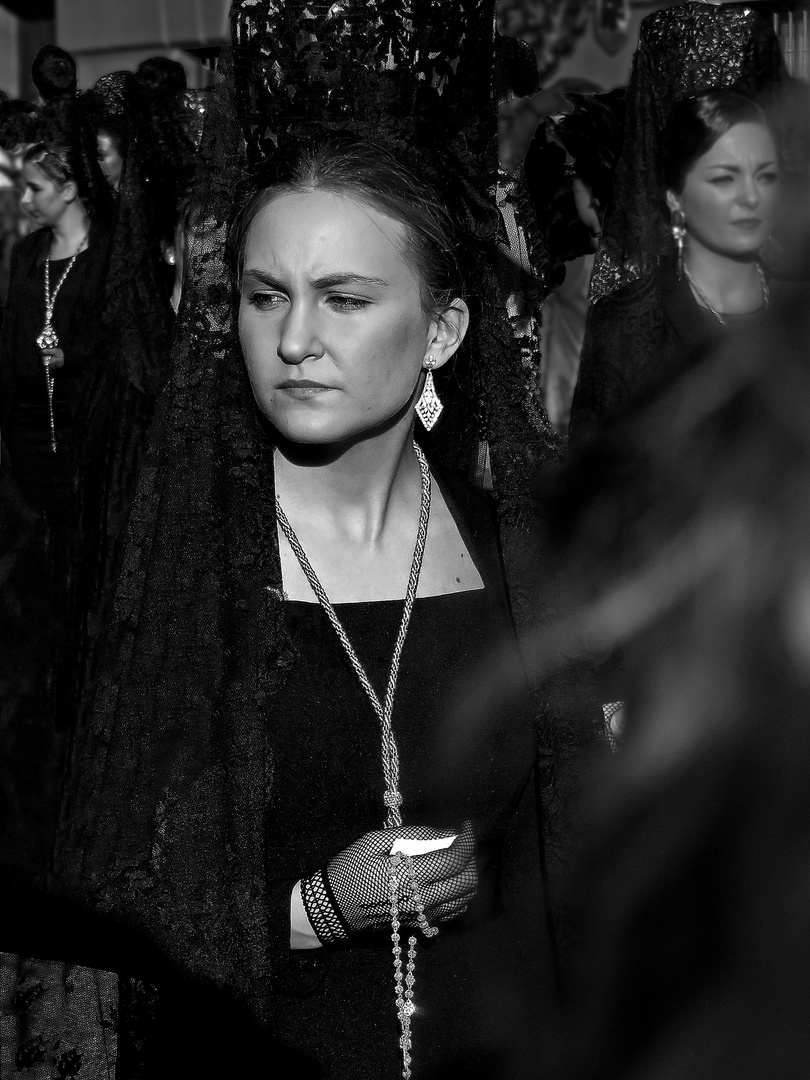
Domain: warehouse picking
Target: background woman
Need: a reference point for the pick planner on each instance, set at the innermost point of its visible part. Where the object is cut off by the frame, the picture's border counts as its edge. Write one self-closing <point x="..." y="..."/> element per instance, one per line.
<point x="52" y="339"/>
<point x="720" y="184"/>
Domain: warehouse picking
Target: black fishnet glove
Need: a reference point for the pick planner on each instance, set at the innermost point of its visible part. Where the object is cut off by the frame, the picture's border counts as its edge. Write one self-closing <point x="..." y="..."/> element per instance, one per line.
<point x="352" y="894"/>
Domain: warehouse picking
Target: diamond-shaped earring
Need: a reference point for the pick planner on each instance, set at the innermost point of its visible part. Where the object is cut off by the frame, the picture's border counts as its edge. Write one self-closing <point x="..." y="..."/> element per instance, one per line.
<point x="429" y="406"/>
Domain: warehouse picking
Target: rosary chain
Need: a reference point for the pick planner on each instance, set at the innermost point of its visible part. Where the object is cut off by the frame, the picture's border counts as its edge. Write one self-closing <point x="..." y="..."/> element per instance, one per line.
<point x="399" y="865"/>
<point x="50" y="302"/>
<point x="393" y="798"/>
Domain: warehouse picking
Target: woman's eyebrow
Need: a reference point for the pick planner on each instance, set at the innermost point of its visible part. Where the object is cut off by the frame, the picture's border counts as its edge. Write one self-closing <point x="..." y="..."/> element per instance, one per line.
<point x="736" y="168"/>
<point x="262" y="276"/>
<point x="329" y="281"/>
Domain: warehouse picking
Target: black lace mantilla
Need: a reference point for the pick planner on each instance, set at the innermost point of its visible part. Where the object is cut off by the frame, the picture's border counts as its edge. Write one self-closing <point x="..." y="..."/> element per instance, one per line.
<point x="173" y="761"/>
<point x="682" y="52"/>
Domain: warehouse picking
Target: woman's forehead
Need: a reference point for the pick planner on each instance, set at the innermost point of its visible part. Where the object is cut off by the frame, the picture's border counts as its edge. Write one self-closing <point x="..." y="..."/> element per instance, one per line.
<point x="742" y="141"/>
<point x="323" y="227"/>
<point x="31" y="171"/>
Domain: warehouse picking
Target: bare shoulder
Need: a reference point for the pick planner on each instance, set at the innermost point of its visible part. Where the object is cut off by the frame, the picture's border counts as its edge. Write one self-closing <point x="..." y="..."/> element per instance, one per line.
<point x="449" y="565"/>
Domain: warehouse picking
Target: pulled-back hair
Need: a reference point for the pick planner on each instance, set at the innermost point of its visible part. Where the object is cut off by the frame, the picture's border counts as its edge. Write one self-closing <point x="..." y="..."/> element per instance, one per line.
<point x="366" y="171"/>
<point x="53" y="72"/>
<point x="54" y="160"/>
<point x="695" y="126"/>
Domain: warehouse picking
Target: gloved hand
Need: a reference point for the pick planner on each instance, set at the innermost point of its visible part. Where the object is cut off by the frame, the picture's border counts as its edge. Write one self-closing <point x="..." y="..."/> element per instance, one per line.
<point x="352" y="894"/>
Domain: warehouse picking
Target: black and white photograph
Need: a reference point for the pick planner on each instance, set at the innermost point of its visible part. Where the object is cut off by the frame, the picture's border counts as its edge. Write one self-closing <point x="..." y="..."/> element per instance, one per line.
<point x="404" y="540"/>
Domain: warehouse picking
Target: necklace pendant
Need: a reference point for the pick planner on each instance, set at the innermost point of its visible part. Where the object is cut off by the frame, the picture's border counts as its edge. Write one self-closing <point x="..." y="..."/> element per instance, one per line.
<point x="48" y="338"/>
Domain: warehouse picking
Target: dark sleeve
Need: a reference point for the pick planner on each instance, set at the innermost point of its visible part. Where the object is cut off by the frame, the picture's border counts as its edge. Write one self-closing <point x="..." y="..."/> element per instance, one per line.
<point x="86" y="339"/>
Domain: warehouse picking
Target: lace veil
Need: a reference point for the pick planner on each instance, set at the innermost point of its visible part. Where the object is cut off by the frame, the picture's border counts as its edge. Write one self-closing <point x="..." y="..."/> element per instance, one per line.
<point x="172" y="766"/>
<point x="682" y="51"/>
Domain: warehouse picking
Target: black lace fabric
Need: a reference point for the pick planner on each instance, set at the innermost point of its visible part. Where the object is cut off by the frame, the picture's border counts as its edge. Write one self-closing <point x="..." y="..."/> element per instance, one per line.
<point x="63" y="1016"/>
<point x="682" y="51"/>
<point x="137" y="318"/>
<point x="165" y="805"/>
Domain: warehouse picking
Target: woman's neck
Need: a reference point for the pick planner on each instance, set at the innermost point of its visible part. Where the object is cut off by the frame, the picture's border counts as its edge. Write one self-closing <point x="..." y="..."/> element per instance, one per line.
<point x="356" y="487"/>
<point x="732" y="286"/>
<point x="70" y="231"/>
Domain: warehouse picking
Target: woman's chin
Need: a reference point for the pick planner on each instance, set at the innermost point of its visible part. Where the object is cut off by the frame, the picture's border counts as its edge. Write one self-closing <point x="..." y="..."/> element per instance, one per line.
<point x="312" y="431"/>
<point x="744" y="246"/>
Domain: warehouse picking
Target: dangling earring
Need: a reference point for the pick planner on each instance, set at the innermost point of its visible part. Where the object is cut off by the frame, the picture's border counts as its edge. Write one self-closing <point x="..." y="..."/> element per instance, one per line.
<point x="678" y="230"/>
<point x="429" y="406"/>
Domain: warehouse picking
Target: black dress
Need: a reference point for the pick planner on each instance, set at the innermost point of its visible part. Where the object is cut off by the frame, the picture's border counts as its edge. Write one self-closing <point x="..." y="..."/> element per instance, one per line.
<point x="644" y="336"/>
<point x="47" y="479"/>
<point x="45" y="484"/>
<point x="333" y="1008"/>
<point x="331" y="1011"/>
<point x="338" y="1005"/>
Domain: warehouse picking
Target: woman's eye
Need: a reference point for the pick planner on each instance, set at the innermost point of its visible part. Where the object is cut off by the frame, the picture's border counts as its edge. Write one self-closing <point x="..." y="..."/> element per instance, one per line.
<point x="718" y="180"/>
<point x="265" y="300"/>
<point x="769" y="177"/>
<point x="347" y="303"/>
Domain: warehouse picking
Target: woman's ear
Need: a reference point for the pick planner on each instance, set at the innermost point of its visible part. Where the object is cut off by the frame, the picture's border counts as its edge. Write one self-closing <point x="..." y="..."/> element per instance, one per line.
<point x="447" y="331"/>
<point x="672" y="201"/>
<point x="70" y="191"/>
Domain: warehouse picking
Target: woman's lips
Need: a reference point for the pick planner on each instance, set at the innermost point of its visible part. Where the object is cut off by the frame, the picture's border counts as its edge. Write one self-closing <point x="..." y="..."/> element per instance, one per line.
<point x="304" y="389"/>
<point x="747" y="223"/>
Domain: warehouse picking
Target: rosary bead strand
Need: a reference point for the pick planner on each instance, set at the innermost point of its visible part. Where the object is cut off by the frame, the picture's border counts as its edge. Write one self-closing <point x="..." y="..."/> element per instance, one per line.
<point x="400" y="867"/>
<point x="48" y="339"/>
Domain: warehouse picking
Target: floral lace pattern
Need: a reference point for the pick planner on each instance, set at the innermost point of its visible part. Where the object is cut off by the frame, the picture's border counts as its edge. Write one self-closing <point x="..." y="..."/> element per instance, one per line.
<point x="56" y="1020"/>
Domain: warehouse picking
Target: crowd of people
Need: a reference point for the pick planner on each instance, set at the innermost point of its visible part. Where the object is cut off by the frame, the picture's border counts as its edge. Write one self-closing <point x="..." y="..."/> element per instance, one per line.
<point x="357" y="720"/>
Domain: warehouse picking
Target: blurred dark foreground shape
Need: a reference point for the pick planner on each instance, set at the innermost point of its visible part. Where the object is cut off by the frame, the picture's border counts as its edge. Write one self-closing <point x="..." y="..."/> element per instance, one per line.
<point x="684" y="534"/>
<point x="695" y="948"/>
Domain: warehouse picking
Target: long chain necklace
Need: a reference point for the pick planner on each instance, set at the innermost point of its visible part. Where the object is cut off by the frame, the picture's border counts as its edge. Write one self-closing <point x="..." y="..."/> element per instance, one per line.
<point x="48" y="338"/>
<point x="766" y="292"/>
<point x="400" y="866"/>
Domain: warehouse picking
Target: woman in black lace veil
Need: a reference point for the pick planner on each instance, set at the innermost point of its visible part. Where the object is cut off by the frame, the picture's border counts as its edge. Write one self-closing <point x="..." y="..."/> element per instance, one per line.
<point x="181" y="752"/>
<point x="682" y="52"/>
<point x="118" y="321"/>
<point x="146" y="113"/>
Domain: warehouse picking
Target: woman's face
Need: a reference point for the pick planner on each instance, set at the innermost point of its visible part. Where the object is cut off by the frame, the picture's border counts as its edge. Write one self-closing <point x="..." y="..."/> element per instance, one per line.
<point x="330" y="317"/>
<point x="731" y="193"/>
<point x="109" y="159"/>
<point x="42" y="200"/>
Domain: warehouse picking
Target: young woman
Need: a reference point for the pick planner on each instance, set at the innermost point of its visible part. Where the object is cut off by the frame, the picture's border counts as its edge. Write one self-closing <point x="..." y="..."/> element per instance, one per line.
<point x="720" y="184"/>
<point x="52" y="340"/>
<point x="314" y="594"/>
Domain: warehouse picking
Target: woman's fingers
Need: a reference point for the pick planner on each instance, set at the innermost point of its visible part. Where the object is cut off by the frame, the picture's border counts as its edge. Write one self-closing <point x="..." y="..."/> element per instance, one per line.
<point x="439" y="866"/>
<point x="444" y="902"/>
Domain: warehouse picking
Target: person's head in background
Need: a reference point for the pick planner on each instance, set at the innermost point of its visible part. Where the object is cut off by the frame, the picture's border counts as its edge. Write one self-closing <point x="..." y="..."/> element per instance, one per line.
<point x="53" y="72"/>
<point x="720" y="177"/>
<point x="51" y="193"/>
<point x="111" y="145"/>
<point x="162" y="73"/>
<point x="174" y="248"/>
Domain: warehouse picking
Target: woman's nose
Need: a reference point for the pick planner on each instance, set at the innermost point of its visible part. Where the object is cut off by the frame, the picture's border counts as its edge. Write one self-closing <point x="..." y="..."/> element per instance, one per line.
<point x="299" y="339"/>
<point x="749" y="192"/>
